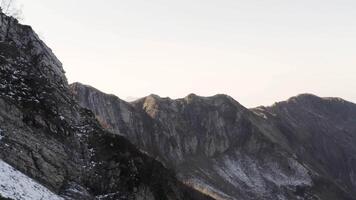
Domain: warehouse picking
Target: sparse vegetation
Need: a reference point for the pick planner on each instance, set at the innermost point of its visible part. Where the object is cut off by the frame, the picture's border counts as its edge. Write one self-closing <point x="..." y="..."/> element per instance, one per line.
<point x="10" y="8"/>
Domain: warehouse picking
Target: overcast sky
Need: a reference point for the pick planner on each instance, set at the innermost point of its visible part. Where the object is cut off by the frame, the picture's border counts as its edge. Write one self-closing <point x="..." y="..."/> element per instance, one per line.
<point x="257" y="51"/>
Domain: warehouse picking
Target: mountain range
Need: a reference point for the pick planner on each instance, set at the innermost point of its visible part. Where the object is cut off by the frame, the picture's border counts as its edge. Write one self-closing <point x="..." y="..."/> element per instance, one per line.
<point x="301" y="148"/>
<point x="61" y="141"/>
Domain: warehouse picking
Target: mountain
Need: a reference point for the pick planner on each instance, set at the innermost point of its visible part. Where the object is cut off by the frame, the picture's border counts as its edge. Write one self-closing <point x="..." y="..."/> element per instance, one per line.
<point x="323" y="132"/>
<point x="52" y="148"/>
<point x="303" y="148"/>
<point x="60" y="141"/>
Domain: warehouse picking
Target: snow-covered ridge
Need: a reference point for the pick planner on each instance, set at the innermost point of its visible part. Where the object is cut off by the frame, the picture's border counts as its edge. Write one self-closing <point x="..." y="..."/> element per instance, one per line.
<point x="17" y="186"/>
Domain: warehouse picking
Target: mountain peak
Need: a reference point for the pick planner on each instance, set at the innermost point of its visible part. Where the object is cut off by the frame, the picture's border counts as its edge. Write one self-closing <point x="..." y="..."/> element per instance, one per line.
<point x="303" y="97"/>
<point x="216" y="99"/>
<point x="308" y="98"/>
<point x="30" y="47"/>
<point x="306" y="95"/>
<point x="154" y="96"/>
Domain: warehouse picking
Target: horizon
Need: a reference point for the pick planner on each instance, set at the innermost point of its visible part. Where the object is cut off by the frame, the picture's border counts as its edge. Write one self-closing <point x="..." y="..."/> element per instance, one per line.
<point x="132" y="99"/>
<point x="128" y="49"/>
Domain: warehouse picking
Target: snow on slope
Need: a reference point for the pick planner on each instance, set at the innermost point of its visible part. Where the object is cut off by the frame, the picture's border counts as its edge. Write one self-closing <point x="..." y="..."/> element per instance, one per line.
<point x="17" y="186"/>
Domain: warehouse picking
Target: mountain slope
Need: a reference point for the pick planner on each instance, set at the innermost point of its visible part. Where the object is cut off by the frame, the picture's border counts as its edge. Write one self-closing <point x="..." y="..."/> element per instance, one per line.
<point x="322" y="131"/>
<point x="17" y="185"/>
<point x="216" y="145"/>
<point x="48" y="137"/>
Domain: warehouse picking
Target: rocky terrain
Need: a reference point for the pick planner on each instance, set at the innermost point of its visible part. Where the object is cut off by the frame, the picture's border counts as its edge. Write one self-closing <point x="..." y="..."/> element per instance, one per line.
<point x="51" y="147"/>
<point x="60" y="141"/>
<point x="303" y="148"/>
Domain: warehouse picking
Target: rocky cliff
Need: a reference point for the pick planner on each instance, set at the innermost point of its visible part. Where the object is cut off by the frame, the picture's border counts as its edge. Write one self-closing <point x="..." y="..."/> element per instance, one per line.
<point x="51" y="147"/>
<point x="299" y="149"/>
<point x="322" y="131"/>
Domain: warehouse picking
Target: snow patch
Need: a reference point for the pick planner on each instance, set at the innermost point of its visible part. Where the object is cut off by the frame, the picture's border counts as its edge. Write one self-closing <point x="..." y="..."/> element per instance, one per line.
<point x="247" y="174"/>
<point x="275" y="174"/>
<point x="240" y="171"/>
<point x="16" y="185"/>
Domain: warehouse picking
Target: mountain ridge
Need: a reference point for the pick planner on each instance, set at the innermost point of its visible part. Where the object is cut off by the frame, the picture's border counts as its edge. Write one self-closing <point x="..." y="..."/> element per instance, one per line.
<point x="80" y="143"/>
<point x="210" y="140"/>
<point x="54" y="143"/>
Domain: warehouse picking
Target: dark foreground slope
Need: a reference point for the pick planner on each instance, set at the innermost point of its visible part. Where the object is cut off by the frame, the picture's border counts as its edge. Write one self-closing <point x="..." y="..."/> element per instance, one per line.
<point x="230" y="152"/>
<point x="46" y="135"/>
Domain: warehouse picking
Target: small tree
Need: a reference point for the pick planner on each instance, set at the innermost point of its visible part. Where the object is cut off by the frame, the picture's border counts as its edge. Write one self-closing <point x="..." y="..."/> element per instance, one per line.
<point x="10" y="8"/>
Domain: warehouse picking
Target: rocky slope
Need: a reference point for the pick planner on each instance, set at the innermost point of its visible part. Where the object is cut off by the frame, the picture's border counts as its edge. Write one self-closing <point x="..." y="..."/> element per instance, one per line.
<point x="323" y="132"/>
<point x="19" y="186"/>
<point x="300" y="149"/>
<point x="48" y="141"/>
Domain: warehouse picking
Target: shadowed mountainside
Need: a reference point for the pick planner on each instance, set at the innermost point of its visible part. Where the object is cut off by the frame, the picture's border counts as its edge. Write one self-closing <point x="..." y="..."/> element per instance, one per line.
<point x="52" y="141"/>
<point x="230" y="152"/>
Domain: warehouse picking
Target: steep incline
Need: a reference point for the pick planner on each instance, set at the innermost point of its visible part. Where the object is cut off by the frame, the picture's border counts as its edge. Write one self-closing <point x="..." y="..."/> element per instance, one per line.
<point x="171" y="129"/>
<point x="215" y="145"/>
<point x="322" y="131"/>
<point x="48" y="137"/>
<point x="19" y="186"/>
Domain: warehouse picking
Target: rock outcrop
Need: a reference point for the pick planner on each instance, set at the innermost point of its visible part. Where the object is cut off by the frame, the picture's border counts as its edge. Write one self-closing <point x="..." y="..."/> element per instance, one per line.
<point x="48" y="137"/>
<point x="292" y="150"/>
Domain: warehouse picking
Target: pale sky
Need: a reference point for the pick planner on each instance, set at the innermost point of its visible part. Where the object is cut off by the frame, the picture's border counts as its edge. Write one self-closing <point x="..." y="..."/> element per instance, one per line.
<point x="257" y="51"/>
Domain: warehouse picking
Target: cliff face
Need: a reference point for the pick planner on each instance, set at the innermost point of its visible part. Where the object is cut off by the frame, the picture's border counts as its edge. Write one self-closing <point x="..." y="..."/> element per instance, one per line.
<point x="230" y="152"/>
<point x="322" y="131"/>
<point x="173" y="130"/>
<point x="48" y="139"/>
